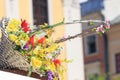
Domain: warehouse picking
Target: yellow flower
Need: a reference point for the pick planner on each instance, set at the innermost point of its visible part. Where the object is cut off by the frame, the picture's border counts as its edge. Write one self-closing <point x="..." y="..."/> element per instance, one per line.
<point x="13" y="37"/>
<point x="17" y="42"/>
<point x="24" y="37"/>
<point x="61" y="71"/>
<point x="11" y="29"/>
<point x="35" y="40"/>
<point x="56" y="78"/>
<point x="8" y="29"/>
<point x="15" y="21"/>
<point x="49" y="32"/>
<point x="35" y="51"/>
<point x="50" y="65"/>
<point x="51" y="48"/>
<point x="35" y="62"/>
<point x="41" y="50"/>
<point x="42" y="55"/>
<point x="13" y="25"/>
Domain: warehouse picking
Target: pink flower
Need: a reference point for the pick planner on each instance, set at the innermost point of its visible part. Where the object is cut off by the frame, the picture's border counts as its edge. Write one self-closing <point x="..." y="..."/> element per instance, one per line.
<point x="100" y="29"/>
<point x="107" y="24"/>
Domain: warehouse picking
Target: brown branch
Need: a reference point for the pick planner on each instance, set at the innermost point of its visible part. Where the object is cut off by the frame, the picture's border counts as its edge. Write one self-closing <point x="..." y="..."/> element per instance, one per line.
<point x="74" y="36"/>
<point x="91" y="30"/>
<point x="80" y="34"/>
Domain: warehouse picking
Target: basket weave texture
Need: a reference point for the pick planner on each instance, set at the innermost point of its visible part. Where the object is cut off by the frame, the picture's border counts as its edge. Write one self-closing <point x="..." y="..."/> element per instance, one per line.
<point x="9" y="58"/>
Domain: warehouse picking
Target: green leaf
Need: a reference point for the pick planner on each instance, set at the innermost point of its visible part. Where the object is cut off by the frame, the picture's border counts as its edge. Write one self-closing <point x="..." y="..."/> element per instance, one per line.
<point x="22" y="52"/>
<point x="17" y="48"/>
<point x="93" y="29"/>
<point x="42" y="68"/>
<point x="29" y="57"/>
<point x="101" y="78"/>
<point x="91" y="23"/>
<point x="30" y="71"/>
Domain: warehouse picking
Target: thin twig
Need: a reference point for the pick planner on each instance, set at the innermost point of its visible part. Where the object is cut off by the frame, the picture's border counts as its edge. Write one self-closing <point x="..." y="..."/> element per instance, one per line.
<point x="84" y="21"/>
<point x="79" y="34"/>
<point x="74" y="36"/>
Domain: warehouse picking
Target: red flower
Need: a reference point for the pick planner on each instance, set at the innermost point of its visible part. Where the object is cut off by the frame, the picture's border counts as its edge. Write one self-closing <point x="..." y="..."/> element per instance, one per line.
<point x="24" y="23"/>
<point x="41" y="40"/>
<point x="24" y="26"/>
<point x="56" y="62"/>
<point x="31" y="41"/>
<point x="26" y="29"/>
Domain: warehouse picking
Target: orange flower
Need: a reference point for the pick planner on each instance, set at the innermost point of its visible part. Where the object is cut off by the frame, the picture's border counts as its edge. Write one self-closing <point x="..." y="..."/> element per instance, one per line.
<point x="41" y="40"/>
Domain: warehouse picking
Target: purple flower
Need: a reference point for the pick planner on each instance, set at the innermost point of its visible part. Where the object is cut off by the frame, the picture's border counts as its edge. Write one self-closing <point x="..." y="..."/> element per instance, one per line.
<point x="25" y="47"/>
<point x="49" y="75"/>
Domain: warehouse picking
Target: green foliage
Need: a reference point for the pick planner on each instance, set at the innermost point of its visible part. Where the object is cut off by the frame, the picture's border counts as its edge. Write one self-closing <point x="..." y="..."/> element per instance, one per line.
<point x="91" y="23"/>
<point x="117" y="78"/>
<point x="97" y="77"/>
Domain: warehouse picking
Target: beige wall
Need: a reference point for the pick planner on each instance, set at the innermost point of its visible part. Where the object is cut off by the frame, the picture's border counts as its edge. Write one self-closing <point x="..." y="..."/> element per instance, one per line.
<point x="2" y="8"/>
<point x="24" y="12"/>
<point x="113" y="47"/>
<point x="23" y="6"/>
<point x="57" y="17"/>
<point x="2" y="11"/>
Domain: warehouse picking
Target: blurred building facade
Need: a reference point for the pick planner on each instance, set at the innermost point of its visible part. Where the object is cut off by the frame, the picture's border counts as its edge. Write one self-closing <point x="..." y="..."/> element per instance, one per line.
<point x="93" y="44"/>
<point x="112" y="13"/>
<point x="113" y="36"/>
<point x="102" y="53"/>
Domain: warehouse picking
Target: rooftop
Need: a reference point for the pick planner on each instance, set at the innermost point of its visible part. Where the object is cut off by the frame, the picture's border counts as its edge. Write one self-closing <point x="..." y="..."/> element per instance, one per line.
<point x="91" y="6"/>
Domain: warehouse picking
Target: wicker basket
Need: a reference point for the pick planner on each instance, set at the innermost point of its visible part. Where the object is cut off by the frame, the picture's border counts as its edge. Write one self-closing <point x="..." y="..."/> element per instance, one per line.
<point x="11" y="60"/>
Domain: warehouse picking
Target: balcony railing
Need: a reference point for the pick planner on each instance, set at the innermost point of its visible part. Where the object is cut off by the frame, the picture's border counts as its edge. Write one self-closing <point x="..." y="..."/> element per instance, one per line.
<point x="91" y="6"/>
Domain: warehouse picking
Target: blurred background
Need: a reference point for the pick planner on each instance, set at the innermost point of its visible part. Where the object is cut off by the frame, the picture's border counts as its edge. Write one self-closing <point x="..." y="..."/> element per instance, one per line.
<point x="102" y="53"/>
<point x="94" y="57"/>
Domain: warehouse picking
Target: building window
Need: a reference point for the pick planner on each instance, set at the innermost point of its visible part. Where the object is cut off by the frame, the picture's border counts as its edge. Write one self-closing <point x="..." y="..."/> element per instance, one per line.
<point x="91" y="44"/>
<point x="40" y="12"/>
<point x="117" y="57"/>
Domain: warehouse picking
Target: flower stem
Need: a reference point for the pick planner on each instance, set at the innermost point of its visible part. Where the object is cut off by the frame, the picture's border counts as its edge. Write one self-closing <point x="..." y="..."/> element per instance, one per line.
<point x="48" y="27"/>
<point x="30" y="71"/>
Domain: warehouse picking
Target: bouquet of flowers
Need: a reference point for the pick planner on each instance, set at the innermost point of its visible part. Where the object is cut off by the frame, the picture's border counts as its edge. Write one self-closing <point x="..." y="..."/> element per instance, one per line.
<point x="38" y="47"/>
